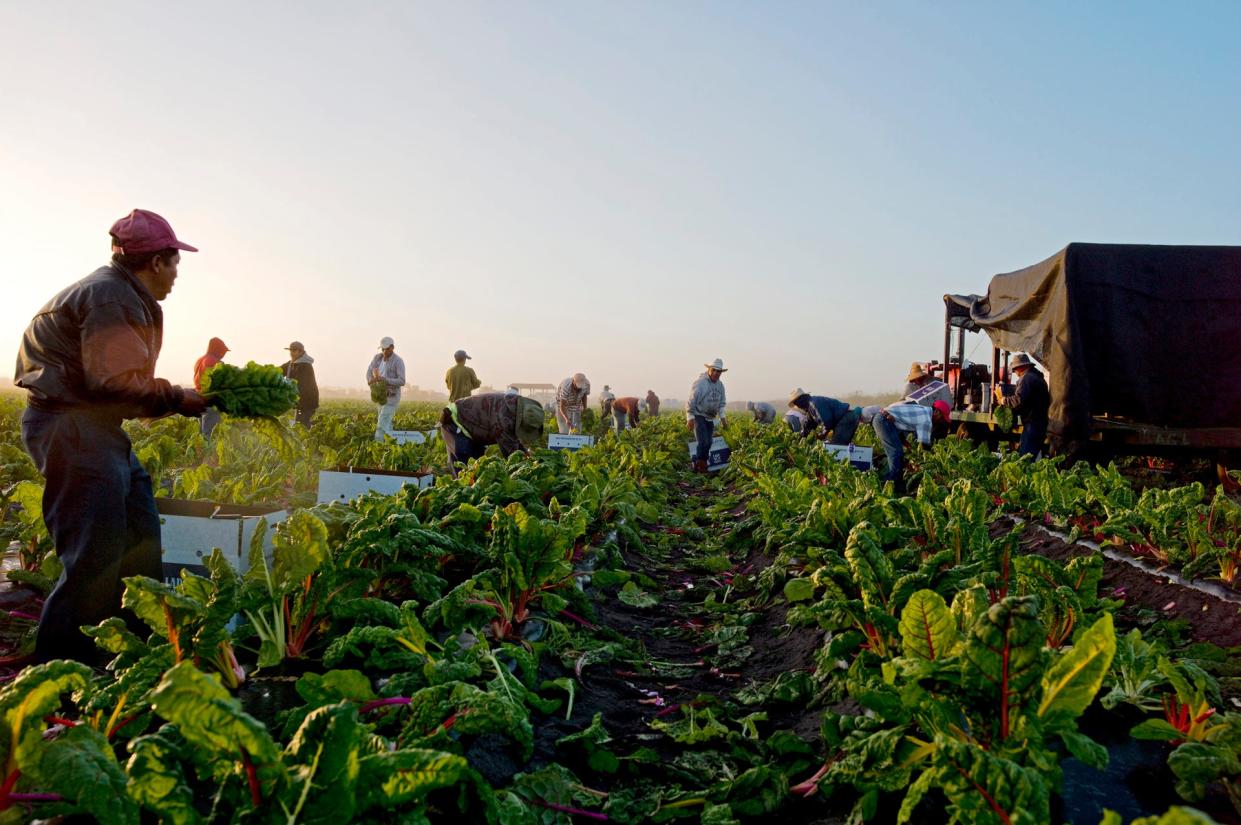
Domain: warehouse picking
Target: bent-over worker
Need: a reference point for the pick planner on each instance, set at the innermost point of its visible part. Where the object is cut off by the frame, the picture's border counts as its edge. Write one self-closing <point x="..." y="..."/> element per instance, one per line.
<point x="625" y="412"/>
<point x="510" y="421"/>
<point x="87" y="360"/>
<point x="1030" y="400"/>
<point x="825" y="415"/>
<point x="763" y="412"/>
<point x="652" y="403"/>
<point x="571" y="398"/>
<point x="892" y="422"/>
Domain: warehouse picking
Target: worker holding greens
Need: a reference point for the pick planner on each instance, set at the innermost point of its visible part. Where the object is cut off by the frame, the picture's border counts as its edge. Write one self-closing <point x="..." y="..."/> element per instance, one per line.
<point x="510" y="421"/>
<point x="386" y="376"/>
<point x="87" y="362"/>
<point x="1031" y="400"/>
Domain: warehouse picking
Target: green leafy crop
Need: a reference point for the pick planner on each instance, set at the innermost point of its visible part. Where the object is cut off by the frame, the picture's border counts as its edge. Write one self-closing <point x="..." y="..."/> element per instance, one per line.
<point x="257" y="391"/>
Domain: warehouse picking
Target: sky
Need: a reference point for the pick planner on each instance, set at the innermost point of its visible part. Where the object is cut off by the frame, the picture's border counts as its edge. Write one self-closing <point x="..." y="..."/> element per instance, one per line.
<point x="626" y="189"/>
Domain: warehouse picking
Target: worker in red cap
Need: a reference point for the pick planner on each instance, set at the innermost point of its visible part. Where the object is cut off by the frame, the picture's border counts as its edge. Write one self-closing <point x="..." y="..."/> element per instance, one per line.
<point x="216" y="350"/>
<point x="87" y="362"/>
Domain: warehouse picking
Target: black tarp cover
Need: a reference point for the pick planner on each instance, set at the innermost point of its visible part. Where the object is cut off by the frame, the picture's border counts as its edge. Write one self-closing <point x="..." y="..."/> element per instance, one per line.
<point x="1151" y="334"/>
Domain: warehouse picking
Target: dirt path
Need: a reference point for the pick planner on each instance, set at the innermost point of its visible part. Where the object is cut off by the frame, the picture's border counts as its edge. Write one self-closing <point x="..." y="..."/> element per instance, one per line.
<point x="676" y="635"/>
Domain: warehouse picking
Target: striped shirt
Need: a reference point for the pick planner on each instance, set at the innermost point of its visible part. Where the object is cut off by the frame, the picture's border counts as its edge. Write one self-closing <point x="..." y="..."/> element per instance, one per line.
<point x="573" y="399"/>
<point x="912" y="418"/>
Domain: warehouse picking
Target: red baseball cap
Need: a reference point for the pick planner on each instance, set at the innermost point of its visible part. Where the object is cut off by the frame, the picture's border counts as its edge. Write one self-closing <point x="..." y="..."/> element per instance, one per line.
<point x="142" y="231"/>
<point x="943" y="408"/>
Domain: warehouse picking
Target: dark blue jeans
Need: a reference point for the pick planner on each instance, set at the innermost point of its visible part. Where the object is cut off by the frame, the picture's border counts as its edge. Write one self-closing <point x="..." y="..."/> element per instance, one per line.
<point x="460" y="447"/>
<point x="704" y="433"/>
<point x="1032" y="438"/>
<point x="893" y="447"/>
<point x="100" y="511"/>
<point x="846" y="427"/>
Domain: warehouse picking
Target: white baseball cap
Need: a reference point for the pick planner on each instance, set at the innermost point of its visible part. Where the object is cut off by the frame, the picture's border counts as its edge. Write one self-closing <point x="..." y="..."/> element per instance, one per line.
<point x="386" y="342"/>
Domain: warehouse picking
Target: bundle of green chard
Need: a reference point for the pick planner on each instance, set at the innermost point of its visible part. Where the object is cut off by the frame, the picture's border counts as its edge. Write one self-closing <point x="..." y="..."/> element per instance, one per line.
<point x="258" y="391"/>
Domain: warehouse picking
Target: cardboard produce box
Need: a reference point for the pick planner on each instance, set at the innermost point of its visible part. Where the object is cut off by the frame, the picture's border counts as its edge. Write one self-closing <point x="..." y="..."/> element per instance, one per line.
<point x="862" y="458"/>
<point x="190" y="530"/>
<point x="564" y="441"/>
<point x="413" y="436"/>
<point x="347" y="483"/>
<point x="717" y="458"/>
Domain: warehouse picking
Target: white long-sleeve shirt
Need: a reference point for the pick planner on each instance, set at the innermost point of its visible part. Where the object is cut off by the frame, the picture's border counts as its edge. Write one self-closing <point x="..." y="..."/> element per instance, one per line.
<point x="391" y="371"/>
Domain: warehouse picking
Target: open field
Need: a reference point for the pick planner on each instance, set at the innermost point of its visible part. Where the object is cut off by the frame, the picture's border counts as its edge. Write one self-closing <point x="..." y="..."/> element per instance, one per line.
<point x="601" y="635"/>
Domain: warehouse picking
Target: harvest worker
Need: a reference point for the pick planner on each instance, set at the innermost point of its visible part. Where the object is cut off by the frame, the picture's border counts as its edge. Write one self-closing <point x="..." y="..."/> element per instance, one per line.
<point x="796" y="419"/>
<point x="300" y="367"/>
<point x="826" y="415"/>
<point x="87" y="360"/>
<point x="763" y="412"/>
<point x="507" y="420"/>
<point x="386" y="376"/>
<point x="922" y="389"/>
<point x="215" y="354"/>
<point x="571" y="398"/>
<point x="1030" y="400"/>
<point x="706" y="401"/>
<point x="892" y="422"/>
<point x="461" y="380"/>
<point x="605" y="401"/>
<point x="652" y="403"/>
<point x="625" y="412"/>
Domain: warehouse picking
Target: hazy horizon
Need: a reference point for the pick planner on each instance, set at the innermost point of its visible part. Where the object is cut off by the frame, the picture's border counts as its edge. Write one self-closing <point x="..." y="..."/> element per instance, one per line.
<point x="626" y="190"/>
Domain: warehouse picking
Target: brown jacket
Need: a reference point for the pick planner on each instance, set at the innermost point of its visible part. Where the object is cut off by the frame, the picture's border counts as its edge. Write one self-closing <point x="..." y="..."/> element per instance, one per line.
<point x="490" y="418"/>
<point x="652" y="403"/>
<point x="94" y="346"/>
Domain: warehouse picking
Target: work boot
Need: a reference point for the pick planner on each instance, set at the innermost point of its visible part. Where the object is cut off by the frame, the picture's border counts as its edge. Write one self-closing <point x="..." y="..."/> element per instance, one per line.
<point x="700" y="466"/>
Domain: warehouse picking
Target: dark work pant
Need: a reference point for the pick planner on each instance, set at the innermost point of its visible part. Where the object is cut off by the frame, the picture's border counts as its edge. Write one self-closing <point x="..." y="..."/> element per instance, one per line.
<point x="893" y="447"/>
<point x="704" y="432"/>
<point x="1032" y="439"/>
<point x="460" y="446"/>
<point x="845" y="427"/>
<point x="304" y="414"/>
<point x="100" y="511"/>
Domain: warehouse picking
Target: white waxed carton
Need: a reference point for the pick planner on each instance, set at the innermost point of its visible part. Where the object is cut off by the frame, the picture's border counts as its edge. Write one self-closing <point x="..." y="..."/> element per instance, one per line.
<point x="717" y="458"/>
<point x="564" y="441"/>
<point x="413" y="436"/>
<point x="862" y="458"/>
<point x="347" y="483"/>
<point x="190" y="530"/>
